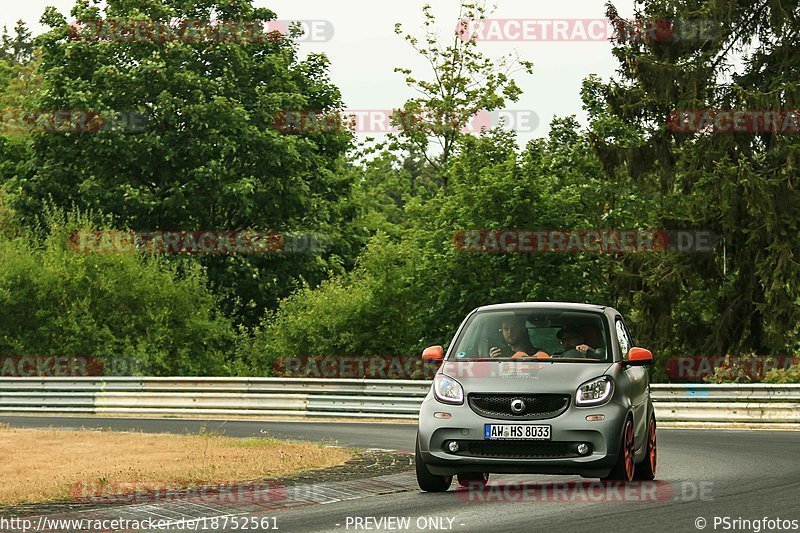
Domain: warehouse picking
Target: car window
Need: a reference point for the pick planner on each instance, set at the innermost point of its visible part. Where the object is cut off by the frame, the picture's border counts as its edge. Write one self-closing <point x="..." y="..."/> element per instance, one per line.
<point x="566" y="334"/>
<point x="472" y="340"/>
<point x="546" y="339"/>
<point x="623" y="338"/>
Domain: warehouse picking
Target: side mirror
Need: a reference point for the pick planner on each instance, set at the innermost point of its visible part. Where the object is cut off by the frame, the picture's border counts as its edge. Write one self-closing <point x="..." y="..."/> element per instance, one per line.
<point x="433" y="353"/>
<point x="639" y="357"/>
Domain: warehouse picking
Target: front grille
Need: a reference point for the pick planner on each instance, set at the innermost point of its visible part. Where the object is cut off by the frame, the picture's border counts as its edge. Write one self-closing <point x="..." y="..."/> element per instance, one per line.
<point x="518" y="449"/>
<point x="537" y="406"/>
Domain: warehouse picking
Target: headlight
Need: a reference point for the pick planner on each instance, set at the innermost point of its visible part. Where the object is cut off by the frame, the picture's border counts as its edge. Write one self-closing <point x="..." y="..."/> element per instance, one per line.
<point x="595" y="392"/>
<point x="447" y="390"/>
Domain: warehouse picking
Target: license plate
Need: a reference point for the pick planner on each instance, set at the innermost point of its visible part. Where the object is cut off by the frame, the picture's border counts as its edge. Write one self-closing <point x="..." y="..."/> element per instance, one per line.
<point x="516" y="432"/>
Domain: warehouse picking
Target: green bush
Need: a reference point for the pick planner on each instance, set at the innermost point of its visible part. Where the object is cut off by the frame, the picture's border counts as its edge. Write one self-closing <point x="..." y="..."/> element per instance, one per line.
<point x="731" y="371"/>
<point x="369" y="311"/>
<point x="739" y="370"/>
<point x="781" y="375"/>
<point x="154" y="317"/>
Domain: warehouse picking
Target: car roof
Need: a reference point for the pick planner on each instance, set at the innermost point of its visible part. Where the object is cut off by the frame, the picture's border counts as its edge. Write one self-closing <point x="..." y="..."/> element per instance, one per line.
<point x="566" y="306"/>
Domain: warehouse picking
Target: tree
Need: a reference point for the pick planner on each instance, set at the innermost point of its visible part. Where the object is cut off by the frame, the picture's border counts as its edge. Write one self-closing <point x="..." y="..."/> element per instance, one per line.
<point x="18" y="49"/>
<point x="5" y="45"/>
<point x="412" y="288"/>
<point x="465" y="82"/>
<point x="20" y="86"/>
<point x="22" y="44"/>
<point x="742" y="185"/>
<point x="189" y="139"/>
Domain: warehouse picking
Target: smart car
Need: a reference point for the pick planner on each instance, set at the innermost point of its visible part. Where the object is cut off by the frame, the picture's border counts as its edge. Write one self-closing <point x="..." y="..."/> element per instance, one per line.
<point x="537" y="388"/>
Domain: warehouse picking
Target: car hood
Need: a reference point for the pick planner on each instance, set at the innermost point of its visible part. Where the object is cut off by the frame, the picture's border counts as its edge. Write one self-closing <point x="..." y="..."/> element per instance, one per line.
<point x="522" y="376"/>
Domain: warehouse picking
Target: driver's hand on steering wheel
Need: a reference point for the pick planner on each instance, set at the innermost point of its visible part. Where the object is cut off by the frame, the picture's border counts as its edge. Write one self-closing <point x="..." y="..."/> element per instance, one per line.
<point x="494" y="351"/>
<point x="583" y="348"/>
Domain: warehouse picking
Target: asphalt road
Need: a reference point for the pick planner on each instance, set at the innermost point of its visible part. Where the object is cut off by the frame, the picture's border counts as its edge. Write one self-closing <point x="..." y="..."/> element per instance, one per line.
<point x="749" y="476"/>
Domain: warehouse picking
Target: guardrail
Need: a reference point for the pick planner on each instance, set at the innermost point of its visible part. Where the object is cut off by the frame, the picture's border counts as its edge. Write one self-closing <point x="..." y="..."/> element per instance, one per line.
<point x="346" y="398"/>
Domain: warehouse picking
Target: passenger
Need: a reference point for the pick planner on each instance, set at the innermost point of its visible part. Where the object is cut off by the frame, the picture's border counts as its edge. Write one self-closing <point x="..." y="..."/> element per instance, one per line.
<point x="576" y="342"/>
<point x="591" y="334"/>
<point x="593" y="340"/>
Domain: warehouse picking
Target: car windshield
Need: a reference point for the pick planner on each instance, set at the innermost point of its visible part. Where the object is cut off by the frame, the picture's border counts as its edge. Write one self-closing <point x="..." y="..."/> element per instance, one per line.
<point x="552" y="334"/>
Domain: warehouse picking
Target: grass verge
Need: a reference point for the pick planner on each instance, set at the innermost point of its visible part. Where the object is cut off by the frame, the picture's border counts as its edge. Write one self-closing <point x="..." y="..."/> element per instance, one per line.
<point x="44" y="465"/>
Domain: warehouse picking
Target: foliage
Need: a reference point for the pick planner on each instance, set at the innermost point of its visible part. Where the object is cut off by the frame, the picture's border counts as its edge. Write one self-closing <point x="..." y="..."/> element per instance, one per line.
<point x="780" y="375"/>
<point x="743" y="297"/>
<point x="196" y="147"/>
<point x="133" y="312"/>
<point x="387" y="305"/>
<point x="20" y="83"/>
<point x="388" y="279"/>
<point x="731" y="371"/>
<point x="369" y="311"/>
<point x="739" y="370"/>
<point x="465" y="82"/>
<point x="19" y="48"/>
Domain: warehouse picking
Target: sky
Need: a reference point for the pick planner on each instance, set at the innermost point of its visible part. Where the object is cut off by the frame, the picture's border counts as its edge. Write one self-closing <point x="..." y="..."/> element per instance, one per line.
<point x="364" y="49"/>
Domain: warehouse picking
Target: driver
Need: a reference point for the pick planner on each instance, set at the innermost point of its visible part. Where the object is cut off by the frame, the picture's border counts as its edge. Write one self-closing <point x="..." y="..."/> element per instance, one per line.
<point x="515" y="335"/>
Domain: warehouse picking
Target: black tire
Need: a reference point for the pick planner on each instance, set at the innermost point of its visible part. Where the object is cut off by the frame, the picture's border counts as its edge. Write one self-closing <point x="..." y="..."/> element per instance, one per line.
<point x="646" y="470"/>
<point x="626" y="459"/>
<point x="473" y="479"/>
<point x="427" y="481"/>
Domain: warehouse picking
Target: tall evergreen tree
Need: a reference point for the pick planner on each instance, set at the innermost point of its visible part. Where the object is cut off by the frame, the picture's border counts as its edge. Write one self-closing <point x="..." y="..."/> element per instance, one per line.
<point x="711" y="56"/>
<point x="21" y="46"/>
<point x="5" y="45"/>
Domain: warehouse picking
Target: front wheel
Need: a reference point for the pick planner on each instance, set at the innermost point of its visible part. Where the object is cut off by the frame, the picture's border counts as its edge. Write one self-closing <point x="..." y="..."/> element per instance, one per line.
<point x="625" y="466"/>
<point x="427" y="481"/>
<point x="646" y="470"/>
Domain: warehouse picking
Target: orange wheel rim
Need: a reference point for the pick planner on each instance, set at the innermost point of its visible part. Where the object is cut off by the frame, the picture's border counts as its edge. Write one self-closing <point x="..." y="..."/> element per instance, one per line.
<point x="629" y="459"/>
<point x="653" y="449"/>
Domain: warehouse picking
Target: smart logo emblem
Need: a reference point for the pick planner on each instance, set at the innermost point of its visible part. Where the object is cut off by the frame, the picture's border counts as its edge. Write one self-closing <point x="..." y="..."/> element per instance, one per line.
<point x="517" y="406"/>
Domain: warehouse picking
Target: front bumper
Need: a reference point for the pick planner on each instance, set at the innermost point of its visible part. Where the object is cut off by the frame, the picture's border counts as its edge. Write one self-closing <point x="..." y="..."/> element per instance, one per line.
<point x="556" y="456"/>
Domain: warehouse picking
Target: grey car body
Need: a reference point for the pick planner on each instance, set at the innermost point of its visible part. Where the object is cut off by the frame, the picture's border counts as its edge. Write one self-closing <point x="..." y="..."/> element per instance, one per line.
<point x="630" y="400"/>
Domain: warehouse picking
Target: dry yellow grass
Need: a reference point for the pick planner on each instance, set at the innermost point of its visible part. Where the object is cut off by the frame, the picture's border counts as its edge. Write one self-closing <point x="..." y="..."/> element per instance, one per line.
<point x="46" y="465"/>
